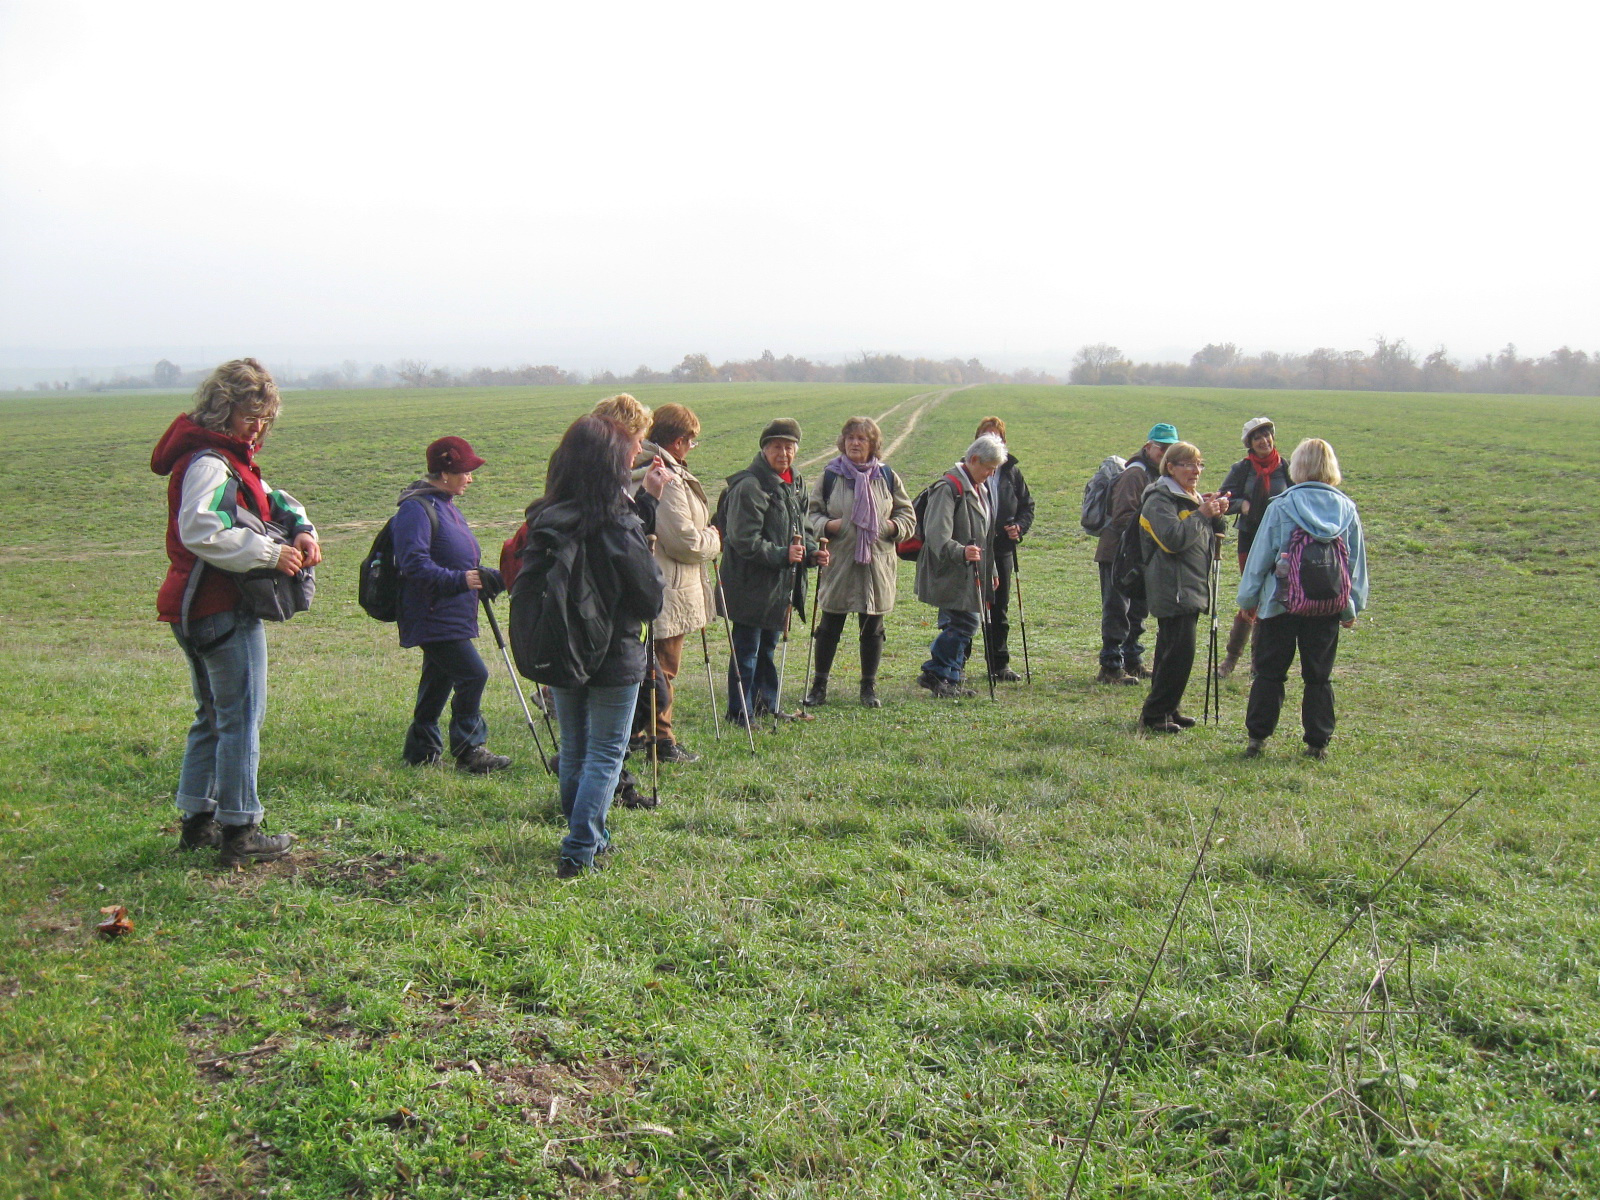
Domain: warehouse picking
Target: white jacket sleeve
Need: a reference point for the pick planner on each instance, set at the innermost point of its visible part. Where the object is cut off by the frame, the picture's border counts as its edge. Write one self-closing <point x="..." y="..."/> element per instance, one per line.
<point x="206" y="523"/>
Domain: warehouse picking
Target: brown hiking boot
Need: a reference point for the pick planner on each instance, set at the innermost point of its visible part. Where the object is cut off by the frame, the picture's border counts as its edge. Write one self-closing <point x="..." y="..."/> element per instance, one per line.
<point x="246" y="843"/>
<point x="1114" y="675"/>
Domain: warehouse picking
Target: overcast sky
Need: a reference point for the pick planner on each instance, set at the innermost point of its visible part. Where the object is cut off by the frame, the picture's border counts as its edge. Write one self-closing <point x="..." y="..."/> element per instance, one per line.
<point x="605" y="184"/>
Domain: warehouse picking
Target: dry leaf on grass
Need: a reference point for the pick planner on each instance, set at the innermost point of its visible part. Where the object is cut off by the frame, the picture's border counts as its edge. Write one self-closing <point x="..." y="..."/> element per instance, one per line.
<point x="117" y="921"/>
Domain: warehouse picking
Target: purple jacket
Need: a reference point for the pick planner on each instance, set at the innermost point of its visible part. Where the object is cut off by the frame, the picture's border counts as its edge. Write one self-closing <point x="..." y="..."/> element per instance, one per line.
<point x="435" y="603"/>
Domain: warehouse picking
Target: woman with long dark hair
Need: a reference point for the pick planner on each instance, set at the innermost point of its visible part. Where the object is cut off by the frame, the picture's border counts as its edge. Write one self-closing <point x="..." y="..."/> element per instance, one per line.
<point x="586" y="499"/>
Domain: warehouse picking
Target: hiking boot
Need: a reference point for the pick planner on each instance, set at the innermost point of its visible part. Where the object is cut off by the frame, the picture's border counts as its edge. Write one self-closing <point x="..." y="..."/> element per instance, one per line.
<point x="672" y="752"/>
<point x="199" y="831"/>
<point x="571" y="868"/>
<point x="428" y="761"/>
<point x="945" y="690"/>
<point x="1163" y="726"/>
<point x="1254" y="747"/>
<point x="246" y="843"/>
<point x="1181" y="721"/>
<point x="629" y="796"/>
<point x="1226" y="666"/>
<point x="1007" y="675"/>
<point x="1114" y="675"/>
<point x="478" y="761"/>
<point x="1137" y="672"/>
<point x="928" y="680"/>
<point x="869" y="694"/>
<point x="1317" y="752"/>
<point x="818" y="695"/>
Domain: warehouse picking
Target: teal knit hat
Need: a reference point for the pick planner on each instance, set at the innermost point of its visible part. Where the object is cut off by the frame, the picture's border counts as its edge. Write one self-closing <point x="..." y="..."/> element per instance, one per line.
<point x="1163" y="433"/>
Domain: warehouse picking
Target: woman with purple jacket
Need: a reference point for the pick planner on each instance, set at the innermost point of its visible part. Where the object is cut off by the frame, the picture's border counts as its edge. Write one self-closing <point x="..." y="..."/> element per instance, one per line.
<point x="441" y="579"/>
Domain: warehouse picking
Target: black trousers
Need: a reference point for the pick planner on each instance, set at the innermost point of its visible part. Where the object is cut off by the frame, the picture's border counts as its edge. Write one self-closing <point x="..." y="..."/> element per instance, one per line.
<point x="830" y="628"/>
<point x="1000" y="612"/>
<point x="1277" y="638"/>
<point x="1171" y="669"/>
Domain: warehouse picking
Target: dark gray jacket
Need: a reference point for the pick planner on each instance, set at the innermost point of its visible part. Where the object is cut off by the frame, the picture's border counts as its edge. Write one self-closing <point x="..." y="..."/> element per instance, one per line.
<point x="1178" y="546"/>
<point x="949" y="525"/>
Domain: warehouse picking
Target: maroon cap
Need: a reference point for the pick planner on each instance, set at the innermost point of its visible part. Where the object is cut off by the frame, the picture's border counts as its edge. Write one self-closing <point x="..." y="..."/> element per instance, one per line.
<point x="452" y="454"/>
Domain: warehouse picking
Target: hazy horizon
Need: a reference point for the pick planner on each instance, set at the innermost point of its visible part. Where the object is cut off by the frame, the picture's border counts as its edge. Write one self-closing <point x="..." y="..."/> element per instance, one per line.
<point x="597" y="190"/>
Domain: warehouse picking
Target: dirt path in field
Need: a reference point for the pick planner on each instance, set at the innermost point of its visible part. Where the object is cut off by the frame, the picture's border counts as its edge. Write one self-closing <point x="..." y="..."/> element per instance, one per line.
<point x="924" y="402"/>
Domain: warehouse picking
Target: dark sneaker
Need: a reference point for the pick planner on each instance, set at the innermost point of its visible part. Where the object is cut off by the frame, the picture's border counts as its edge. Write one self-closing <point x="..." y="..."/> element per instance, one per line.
<point x="1007" y="675"/>
<point x="478" y="761"/>
<point x="200" y="831"/>
<point x="1181" y="721"/>
<point x="1162" y="727"/>
<point x="1317" y="752"/>
<point x="672" y="752"/>
<point x="1254" y="747"/>
<point x="246" y="843"/>
<point x="869" y="694"/>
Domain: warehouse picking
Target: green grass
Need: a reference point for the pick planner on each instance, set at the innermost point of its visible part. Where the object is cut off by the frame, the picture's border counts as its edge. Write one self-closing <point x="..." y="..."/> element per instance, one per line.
<point x="888" y="957"/>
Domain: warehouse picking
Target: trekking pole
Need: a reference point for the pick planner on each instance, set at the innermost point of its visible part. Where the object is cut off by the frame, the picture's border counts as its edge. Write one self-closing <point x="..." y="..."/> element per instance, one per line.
<point x="705" y="649"/>
<point x="788" y="614"/>
<point x="1213" y="697"/>
<point x="733" y="657"/>
<point x="983" y="621"/>
<point x="533" y="728"/>
<point x="811" y="641"/>
<point x="1022" y="613"/>
<point x="652" y="673"/>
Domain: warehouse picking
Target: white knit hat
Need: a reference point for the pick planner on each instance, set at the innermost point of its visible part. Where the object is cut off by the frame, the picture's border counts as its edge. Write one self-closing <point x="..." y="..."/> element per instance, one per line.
<point x="1253" y="424"/>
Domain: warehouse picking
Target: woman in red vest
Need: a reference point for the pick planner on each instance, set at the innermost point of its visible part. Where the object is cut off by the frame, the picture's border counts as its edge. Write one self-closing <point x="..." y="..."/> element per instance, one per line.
<point x="209" y="456"/>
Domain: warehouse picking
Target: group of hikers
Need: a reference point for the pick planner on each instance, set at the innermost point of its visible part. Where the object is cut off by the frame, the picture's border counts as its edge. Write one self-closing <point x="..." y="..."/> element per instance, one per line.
<point x="625" y="555"/>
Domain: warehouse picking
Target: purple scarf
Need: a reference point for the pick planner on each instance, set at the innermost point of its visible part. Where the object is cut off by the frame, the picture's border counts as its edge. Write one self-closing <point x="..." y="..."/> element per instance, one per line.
<point x="864" y="516"/>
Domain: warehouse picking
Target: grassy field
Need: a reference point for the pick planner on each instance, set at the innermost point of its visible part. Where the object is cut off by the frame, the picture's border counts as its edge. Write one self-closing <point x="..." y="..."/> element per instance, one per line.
<point x="891" y="955"/>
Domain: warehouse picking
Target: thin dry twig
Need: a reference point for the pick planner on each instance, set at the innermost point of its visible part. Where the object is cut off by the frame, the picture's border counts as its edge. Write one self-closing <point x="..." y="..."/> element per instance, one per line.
<point x="1127" y="1024"/>
<point x="1288" y="1018"/>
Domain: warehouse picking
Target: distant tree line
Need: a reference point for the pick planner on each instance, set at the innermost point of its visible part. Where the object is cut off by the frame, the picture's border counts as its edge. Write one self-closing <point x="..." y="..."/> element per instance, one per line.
<point x="1392" y="366"/>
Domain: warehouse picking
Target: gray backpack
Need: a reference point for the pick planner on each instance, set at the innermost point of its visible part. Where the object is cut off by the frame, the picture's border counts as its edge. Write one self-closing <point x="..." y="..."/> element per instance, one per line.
<point x="1096" y="511"/>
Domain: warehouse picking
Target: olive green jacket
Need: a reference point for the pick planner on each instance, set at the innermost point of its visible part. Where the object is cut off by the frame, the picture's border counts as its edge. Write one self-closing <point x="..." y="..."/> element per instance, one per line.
<point x="761" y="513"/>
<point x="1178" y="547"/>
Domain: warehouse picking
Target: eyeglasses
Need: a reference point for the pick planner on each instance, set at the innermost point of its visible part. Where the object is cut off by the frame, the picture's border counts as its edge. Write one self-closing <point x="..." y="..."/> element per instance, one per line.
<point x="1198" y="466"/>
<point x="693" y="442"/>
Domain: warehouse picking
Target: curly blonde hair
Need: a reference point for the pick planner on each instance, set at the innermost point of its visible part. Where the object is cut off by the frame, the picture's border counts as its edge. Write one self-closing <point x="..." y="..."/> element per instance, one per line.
<point x="622" y="409"/>
<point x="239" y="385"/>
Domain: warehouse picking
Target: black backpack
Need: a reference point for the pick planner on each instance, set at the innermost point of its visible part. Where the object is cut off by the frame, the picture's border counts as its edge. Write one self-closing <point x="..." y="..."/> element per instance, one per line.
<point x="560" y="619"/>
<point x="1127" y="569"/>
<point x="378" y="585"/>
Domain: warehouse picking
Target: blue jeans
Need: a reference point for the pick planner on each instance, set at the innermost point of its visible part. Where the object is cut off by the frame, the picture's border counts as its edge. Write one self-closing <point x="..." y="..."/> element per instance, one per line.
<point x="445" y="666"/>
<point x="227" y="656"/>
<point x="752" y="672"/>
<point x="594" y="741"/>
<point x="947" y="657"/>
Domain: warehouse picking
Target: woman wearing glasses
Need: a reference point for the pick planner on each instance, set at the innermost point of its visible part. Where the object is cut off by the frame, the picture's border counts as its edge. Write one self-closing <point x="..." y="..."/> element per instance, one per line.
<point x="685" y="542"/>
<point x="1181" y="532"/>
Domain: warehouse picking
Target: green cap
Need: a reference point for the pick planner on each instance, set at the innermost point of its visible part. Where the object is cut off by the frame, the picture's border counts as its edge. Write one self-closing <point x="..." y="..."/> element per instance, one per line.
<point x="1163" y="433"/>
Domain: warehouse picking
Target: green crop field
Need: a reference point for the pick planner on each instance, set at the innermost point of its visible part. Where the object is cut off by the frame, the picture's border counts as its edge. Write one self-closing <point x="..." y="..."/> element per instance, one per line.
<point x="892" y="954"/>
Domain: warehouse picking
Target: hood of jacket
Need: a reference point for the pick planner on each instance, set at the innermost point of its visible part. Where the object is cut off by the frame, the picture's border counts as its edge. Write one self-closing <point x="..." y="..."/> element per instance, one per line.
<point x="184" y="437"/>
<point x="422" y="487"/>
<point x="1321" y="510"/>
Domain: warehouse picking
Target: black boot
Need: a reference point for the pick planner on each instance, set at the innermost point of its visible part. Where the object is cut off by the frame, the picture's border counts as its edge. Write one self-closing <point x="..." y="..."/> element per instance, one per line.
<point x="818" y="695"/>
<point x="869" y="694"/>
<point x="199" y="831"/>
<point x="871" y="657"/>
<point x="246" y="843"/>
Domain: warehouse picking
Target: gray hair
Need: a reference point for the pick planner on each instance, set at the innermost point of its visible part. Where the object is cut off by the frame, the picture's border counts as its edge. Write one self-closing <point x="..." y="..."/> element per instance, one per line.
<point x="989" y="450"/>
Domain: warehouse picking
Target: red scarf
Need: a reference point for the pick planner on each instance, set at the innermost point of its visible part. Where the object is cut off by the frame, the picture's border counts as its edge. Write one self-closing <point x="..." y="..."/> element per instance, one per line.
<point x="1264" y="467"/>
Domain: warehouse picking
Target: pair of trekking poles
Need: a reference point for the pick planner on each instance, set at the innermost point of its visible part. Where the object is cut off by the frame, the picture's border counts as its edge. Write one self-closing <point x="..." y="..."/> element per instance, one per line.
<point x="986" y="618"/>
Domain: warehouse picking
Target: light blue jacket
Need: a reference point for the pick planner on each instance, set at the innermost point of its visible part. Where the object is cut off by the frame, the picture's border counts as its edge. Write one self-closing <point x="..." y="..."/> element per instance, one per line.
<point x="1325" y="513"/>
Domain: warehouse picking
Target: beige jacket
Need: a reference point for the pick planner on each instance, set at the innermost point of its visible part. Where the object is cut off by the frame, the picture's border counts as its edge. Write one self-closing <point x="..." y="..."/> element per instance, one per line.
<point x="685" y="542"/>
<point x="844" y="585"/>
